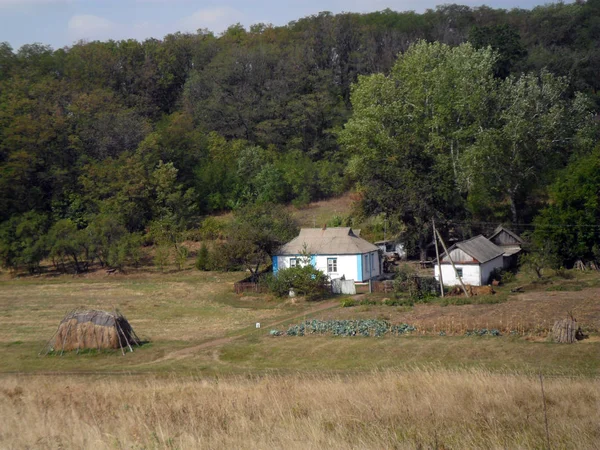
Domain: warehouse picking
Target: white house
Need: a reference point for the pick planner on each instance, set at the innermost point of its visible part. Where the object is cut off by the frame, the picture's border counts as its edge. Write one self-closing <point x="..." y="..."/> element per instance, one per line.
<point x="337" y="252"/>
<point x="474" y="259"/>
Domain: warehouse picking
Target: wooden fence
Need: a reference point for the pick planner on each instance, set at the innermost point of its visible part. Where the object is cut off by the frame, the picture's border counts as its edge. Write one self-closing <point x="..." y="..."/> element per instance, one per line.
<point x="242" y="287"/>
<point x="386" y="286"/>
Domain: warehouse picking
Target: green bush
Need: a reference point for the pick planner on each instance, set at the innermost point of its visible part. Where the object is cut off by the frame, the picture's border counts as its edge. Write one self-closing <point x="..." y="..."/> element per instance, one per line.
<point x="564" y="273"/>
<point x="211" y="229"/>
<point x="502" y="275"/>
<point x="203" y="258"/>
<point x="126" y="251"/>
<point x="305" y="280"/>
<point x="347" y="303"/>
<point x="400" y="301"/>
<point x="507" y="277"/>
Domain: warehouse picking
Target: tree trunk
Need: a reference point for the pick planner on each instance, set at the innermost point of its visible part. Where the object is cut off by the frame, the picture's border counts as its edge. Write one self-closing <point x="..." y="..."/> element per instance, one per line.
<point x="77" y="267"/>
<point x="513" y="207"/>
<point x="422" y="249"/>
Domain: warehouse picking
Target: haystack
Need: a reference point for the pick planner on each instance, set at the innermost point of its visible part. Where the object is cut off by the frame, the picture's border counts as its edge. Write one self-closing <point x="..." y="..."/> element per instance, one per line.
<point x="90" y="329"/>
<point x="566" y="331"/>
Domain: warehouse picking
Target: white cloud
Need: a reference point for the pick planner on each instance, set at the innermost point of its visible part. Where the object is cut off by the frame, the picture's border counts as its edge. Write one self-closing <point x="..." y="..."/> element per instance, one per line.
<point x="216" y="19"/>
<point x="90" y="27"/>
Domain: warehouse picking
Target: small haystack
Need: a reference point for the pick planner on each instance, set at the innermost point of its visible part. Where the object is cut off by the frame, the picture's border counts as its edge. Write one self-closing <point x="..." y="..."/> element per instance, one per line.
<point x="567" y="331"/>
<point x="90" y="329"/>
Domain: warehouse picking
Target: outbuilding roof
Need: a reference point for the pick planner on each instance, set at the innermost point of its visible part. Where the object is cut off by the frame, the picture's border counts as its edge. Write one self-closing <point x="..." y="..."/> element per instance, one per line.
<point x="327" y="241"/>
<point x="479" y="247"/>
<point x="499" y="229"/>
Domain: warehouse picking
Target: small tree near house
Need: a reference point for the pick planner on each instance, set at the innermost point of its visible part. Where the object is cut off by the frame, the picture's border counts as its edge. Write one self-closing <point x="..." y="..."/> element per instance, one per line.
<point x="256" y="232"/>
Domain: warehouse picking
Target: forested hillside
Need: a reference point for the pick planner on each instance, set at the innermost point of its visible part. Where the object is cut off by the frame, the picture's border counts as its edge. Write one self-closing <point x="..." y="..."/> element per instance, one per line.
<point x="103" y="143"/>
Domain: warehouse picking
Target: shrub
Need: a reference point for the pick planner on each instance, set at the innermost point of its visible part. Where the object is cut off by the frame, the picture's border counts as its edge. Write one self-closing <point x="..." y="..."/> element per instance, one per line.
<point x="126" y="251"/>
<point x="507" y="277"/>
<point x="502" y="275"/>
<point x="162" y="255"/>
<point x="181" y="255"/>
<point x="211" y="229"/>
<point x="401" y="301"/>
<point x="564" y="273"/>
<point x="305" y="280"/>
<point x="203" y="258"/>
<point x="347" y="303"/>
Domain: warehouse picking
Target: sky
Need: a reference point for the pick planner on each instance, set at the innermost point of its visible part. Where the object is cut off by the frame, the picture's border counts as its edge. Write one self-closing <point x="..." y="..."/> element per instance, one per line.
<point x="61" y="23"/>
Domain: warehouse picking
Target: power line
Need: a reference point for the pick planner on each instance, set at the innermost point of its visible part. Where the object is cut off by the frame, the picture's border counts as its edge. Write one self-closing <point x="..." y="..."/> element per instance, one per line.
<point x="531" y="225"/>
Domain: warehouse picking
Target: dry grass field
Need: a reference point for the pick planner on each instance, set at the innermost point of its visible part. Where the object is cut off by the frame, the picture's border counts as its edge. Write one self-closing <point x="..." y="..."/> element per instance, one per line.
<point x="421" y="408"/>
<point x="319" y="213"/>
<point x="530" y="313"/>
<point x="207" y="378"/>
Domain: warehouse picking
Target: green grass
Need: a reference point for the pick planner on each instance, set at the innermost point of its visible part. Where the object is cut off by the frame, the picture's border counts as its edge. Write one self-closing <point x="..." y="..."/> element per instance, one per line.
<point x="366" y="353"/>
<point x="178" y="311"/>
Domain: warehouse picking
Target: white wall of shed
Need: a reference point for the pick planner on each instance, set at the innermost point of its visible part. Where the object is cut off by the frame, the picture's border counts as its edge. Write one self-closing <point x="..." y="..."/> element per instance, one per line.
<point x="471" y="274"/>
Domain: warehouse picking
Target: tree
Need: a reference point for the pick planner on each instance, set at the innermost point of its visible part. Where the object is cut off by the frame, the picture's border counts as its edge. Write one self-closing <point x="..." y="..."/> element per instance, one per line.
<point x="410" y="128"/>
<point x="569" y="224"/>
<point x="23" y="241"/>
<point x="64" y="242"/>
<point x="256" y="232"/>
<point x="531" y="134"/>
<point x="506" y="41"/>
<point x="105" y="232"/>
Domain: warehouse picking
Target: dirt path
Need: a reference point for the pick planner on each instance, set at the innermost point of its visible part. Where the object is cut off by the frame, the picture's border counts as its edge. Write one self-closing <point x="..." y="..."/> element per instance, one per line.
<point x="188" y="351"/>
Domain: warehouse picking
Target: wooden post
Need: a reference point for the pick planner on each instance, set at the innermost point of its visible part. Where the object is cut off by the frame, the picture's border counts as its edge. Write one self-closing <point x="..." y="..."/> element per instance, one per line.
<point x="452" y="262"/>
<point x="437" y="255"/>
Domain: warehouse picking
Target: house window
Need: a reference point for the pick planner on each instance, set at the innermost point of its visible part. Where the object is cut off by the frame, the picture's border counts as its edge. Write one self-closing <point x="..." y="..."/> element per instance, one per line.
<point x="293" y="262"/>
<point x="332" y="265"/>
<point x="459" y="273"/>
<point x="367" y="263"/>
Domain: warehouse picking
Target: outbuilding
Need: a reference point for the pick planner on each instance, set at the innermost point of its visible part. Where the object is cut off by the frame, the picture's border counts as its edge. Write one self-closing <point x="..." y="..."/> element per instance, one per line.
<point x="510" y="242"/>
<point x="337" y="252"/>
<point x="392" y="248"/>
<point x="475" y="259"/>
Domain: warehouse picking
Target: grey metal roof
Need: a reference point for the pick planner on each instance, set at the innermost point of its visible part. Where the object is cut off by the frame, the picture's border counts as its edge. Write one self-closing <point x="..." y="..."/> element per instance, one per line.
<point x="499" y="229"/>
<point x="327" y="241"/>
<point x="479" y="247"/>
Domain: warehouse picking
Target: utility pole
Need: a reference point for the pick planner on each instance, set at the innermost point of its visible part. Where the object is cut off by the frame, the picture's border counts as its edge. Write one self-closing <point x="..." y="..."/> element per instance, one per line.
<point x="384" y="228"/>
<point x="452" y="262"/>
<point x="437" y="255"/>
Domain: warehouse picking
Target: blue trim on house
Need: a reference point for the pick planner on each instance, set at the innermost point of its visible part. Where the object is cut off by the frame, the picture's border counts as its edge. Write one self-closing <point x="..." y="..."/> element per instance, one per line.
<point x="313" y="260"/>
<point x="359" y="271"/>
<point x="275" y="265"/>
